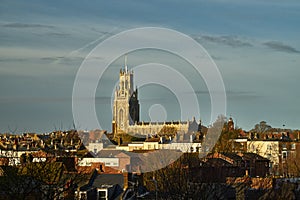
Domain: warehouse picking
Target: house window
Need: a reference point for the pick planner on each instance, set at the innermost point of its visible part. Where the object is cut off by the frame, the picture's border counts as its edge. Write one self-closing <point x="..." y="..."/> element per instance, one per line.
<point x="284" y="146"/>
<point x="284" y="154"/>
<point x="102" y="195"/>
<point x="83" y="196"/>
<point x="192" y="149"/>
<point x="293" y="146"/>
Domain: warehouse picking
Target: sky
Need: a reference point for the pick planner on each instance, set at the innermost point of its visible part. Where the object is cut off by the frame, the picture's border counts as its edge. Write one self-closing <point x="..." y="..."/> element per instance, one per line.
<point x="255" y="45"/>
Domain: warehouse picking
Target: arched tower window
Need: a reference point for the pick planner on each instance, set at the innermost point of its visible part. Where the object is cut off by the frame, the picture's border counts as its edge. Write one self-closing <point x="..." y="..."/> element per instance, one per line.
<point x="122" y="85"/>
<point x="121" y="118"/>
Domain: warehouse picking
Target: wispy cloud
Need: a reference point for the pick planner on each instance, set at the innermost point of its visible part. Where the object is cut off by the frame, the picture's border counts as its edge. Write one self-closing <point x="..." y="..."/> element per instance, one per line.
<point x="216" y="57"/>
<point x="66" y="59"/>
<point x="242" y="94"/>
<point x="24" y="25"/>
<point x="69" y="60"/>
<point x="58" y="34"/>
<point x="279" y="46"/>
<point x="228" y="40"/>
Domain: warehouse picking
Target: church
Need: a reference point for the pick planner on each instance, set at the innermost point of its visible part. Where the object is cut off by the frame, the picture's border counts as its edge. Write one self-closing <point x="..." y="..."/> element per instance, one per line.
<point x="126" y="111"/>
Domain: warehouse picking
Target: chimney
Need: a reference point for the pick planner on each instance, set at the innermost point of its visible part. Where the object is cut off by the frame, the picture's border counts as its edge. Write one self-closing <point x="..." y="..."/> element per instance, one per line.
<point x="191" y="138"/>
<point x="125" y="175"/>
<point x="139" y="171"/>
<point x="76" y="160"/>
<point x="101" y="167"/>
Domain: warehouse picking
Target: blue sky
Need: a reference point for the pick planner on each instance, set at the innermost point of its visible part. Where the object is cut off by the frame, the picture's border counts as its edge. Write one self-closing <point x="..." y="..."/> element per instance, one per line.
<point x="255" y="44"/>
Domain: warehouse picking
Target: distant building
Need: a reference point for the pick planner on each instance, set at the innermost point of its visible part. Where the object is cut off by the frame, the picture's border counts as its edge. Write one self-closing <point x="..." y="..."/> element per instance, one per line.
<point x="102" y="186"/>
<point x="217" y="167"/>
<point x="126" y="111"/>
<point x="95" y="147"/>
<point x="184" y="147"/>
<point x="278" y="152"/>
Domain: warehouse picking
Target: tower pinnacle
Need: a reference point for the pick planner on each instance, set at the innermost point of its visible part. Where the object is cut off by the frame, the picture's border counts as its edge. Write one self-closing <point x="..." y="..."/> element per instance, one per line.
<point x="126" y="70"/>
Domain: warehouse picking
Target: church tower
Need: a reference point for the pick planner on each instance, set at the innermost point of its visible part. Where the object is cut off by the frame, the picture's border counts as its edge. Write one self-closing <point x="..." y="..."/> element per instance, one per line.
<point x="126" y="104"/>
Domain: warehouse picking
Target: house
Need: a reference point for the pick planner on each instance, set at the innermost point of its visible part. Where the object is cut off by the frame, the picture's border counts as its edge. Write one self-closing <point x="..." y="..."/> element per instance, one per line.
<point x="117" y="160"/>
<point x="257" y="165"/>
<point x="217" y="167"/>
<point x="101" y="186"/>
<point x="279" y="152"/>
<point x="161" y="143"/>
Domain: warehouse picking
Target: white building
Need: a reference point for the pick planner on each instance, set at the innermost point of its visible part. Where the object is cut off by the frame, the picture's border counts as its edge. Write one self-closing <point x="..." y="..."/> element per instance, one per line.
<point x="110" y="162"/>
<point x="95" y="147"/>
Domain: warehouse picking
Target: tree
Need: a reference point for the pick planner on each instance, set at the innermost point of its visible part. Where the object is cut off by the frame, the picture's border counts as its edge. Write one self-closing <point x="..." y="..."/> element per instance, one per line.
<point x="213" y="134"/>
<point x="39" y="180"/>
<point x="262" y="127"/>
<point x="172" y="180"/>
<point x="178" y="181"/>
<point x="226" y="142"/>
<point x="26" y="158"/>
<point x="16" y="186"/>
<point x="283" y="190"/>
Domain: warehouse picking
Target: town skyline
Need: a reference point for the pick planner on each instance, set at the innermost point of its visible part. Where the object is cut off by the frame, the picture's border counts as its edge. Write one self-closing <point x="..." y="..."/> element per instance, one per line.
<point x="254" y="44"/>
<point x="161" y="99"/>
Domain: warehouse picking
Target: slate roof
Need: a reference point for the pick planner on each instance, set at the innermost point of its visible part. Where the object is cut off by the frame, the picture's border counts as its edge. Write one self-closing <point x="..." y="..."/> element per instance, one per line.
<point x="217" y="162"/>
<point x="254" y="156"/>
<point x="103" y="180"/>
<point x="233" y="156"/>
<point x="112" y="181"/>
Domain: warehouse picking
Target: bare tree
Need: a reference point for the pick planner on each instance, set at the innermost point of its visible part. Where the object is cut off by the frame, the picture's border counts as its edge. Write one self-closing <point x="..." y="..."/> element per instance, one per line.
<point x="262" y="127"/>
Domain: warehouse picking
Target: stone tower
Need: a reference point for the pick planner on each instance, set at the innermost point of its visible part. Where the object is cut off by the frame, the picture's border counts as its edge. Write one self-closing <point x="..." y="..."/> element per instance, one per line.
<point x="126" y="104"/>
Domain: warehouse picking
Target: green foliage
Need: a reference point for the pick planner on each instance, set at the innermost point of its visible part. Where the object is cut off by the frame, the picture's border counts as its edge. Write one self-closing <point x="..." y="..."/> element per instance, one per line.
<point x="226" y="141"/>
